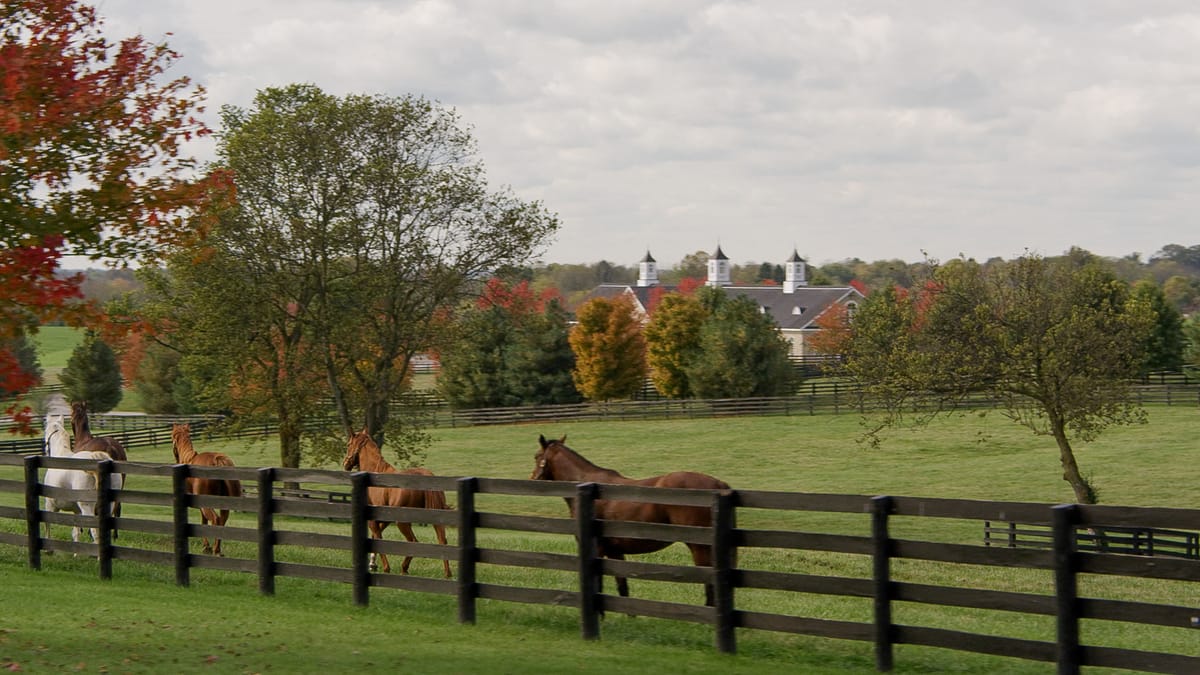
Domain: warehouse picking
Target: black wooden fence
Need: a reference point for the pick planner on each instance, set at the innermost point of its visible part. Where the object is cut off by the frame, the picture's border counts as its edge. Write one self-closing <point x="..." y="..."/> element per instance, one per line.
<point x="1064" y="560"/>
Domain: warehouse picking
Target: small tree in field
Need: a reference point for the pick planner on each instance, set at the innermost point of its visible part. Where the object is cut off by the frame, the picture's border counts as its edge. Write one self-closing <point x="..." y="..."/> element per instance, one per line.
<point x="610" y="350"/>
<point x="1055" y="342"/>
<point x="92" y="375"/>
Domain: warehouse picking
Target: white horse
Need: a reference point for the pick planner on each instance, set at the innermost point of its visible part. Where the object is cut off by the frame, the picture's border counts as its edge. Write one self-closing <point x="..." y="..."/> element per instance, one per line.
<point x="56" y="443"/>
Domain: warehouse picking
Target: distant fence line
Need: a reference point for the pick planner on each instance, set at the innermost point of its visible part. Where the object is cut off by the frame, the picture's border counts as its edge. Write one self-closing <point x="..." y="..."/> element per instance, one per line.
<point x="165" y="514"/>
<point x="428" y="409"/>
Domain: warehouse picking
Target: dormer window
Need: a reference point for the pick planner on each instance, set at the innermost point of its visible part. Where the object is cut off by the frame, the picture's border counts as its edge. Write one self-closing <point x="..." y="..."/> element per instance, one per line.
<point x="797" y="311"/>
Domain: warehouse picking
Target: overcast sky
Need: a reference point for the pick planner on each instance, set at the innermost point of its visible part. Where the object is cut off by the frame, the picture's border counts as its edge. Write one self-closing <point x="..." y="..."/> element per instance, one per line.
<point x="842" y="129"/>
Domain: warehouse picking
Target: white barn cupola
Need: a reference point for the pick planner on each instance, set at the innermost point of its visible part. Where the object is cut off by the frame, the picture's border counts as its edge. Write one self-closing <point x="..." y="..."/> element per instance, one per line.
<point x="718" y="269"/>
<point x="794" y="273"/>
<point x="647" y="271"/>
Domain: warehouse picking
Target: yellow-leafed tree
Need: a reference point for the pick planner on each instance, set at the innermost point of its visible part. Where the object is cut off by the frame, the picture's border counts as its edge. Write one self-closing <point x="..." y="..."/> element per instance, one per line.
<point x="610" y="350"/>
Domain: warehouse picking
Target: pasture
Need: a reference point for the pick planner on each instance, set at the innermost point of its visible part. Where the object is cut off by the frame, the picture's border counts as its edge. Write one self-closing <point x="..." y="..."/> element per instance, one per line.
<point x="1147" y="466"/>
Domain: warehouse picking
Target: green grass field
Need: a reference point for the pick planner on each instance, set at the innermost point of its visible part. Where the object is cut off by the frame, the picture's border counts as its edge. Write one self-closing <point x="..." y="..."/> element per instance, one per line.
<point x="63" y="619"/>
<point x="220" y="623"/>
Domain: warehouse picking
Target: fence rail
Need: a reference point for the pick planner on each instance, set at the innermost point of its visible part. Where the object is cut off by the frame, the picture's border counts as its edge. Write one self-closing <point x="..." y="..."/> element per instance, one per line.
<point x="165" y="514"/>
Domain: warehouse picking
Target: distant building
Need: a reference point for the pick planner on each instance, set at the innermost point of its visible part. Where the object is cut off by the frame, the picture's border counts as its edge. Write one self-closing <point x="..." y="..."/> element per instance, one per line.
<point x="794" y="305"/>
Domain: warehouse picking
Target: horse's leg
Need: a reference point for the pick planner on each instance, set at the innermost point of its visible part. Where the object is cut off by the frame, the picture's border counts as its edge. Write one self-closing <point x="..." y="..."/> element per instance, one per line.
<point x="407" y="531"/>
<point x="207" y="516"/>
<point x="50" y="506"/>
<point x="86" y="509"/>
<point x="702" y="557"/>
<point x="441" y="537"/>
<point x="622" y="582"/>
<point x="377" y="528"/>
<point x="222" y="518"/>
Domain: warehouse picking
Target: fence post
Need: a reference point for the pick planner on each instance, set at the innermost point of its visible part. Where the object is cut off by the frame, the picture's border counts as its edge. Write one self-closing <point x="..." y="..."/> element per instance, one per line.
<point x="33" y="510"/>
<point x="468" y="590"/>
<point x="881" y="566"/>
<point x="266" y="531"/>
<point x="104" y="517"/>
<point x="724" y="556"/>
<point x="1064" y="518"/>
<point x="359" y="544"/>
<point x="180" y="522"/>
<point x="590" y="574"/>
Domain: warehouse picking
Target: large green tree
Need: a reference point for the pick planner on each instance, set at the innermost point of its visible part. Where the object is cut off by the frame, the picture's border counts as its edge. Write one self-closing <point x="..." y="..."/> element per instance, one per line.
<point x="1055" y="342"/>
<point x="741" y="352"/>
<point x="359" y="221"/>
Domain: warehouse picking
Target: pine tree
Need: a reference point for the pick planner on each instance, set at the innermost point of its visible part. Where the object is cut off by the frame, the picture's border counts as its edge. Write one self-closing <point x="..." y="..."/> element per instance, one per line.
<point x="92" y="375"/>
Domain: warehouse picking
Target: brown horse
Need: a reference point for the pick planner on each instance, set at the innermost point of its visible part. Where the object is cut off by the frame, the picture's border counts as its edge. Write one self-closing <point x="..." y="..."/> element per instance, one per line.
<point x="362" y="453"/>
<point x="86" y="442"/>
<point x="555" y="461"/>
<point x="181" y="445"/>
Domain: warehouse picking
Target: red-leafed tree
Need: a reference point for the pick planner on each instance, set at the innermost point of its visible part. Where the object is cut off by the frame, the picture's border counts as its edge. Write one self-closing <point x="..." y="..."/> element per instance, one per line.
<point x="91" y="158"/>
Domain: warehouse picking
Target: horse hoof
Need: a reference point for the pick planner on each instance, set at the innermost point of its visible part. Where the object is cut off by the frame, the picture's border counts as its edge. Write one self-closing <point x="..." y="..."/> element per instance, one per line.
<point x="207" y="551"/>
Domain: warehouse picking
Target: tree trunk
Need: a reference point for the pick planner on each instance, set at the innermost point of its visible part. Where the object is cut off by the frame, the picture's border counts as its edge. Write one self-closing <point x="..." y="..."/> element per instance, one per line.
<point x="289" y="447"/>
<point x="1083" y="491"/>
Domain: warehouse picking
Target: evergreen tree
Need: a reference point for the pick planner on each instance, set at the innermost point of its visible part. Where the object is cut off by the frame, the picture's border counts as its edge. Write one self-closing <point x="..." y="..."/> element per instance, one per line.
<point x="92" y="375"/>
<point x="742" y="354"/>
<point x="161" y="387"/>
<point x="512" y="350"/>
<point x="1164" y="346"/>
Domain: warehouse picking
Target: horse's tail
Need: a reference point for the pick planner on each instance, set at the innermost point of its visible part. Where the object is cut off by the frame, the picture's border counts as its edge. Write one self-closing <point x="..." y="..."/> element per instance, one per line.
<point x="233" y="487"/>
<point x="435" y="499"/>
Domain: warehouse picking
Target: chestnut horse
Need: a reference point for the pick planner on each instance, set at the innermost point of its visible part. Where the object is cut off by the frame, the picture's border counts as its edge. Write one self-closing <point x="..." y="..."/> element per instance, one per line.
<point x="86" y="442"/>
<point x="555" y="461"/>
<point x="362" y="453"/>
<point x="181" y="445"/>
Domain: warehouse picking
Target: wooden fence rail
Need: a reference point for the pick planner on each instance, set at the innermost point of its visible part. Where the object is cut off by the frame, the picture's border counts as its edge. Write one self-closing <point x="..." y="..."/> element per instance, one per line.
<point x="164" y="514"/>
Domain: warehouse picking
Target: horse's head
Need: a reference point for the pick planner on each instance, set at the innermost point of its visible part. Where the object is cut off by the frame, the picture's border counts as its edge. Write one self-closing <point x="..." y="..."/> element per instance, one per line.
<point x="54" y="441"/>
<point x="543" y="470"/>
<point x="181" y="435"/>
<point x="79" y="416"/>
<point x="354" y="448"/>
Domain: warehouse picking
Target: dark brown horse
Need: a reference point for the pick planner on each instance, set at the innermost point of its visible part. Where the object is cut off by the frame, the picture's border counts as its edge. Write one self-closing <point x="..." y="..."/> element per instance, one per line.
<point x="362" y="453"/>
<point x="555" y="461"/>
<point x="181" y="445"/>
<point x="86" y="442"/>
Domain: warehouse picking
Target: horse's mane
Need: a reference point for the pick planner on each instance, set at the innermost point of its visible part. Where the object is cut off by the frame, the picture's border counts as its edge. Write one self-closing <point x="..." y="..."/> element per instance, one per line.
<point x="363" y="441"/>
<point x="181" y="436"/>
<point x="579" y="459"/>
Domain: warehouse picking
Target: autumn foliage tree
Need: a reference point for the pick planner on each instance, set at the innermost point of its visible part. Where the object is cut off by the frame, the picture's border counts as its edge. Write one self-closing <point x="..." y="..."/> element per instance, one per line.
<point x="610" y="350"/>
<point x="91" y="158"/>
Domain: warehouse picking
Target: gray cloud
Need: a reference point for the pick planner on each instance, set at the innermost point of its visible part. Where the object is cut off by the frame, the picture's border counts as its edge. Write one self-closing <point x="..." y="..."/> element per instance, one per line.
<point x="846" y="129"/>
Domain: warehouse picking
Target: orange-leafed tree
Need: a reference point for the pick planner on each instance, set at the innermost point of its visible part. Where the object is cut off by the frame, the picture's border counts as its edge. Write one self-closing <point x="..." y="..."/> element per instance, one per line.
<point x="92" y="157"/>
<point x="834" y="335"/>
<point x="610" y="349"/>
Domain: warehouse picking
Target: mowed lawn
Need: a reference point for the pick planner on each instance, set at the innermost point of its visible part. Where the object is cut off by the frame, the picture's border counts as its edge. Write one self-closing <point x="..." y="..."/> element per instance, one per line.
<point x="64" y="619"/>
